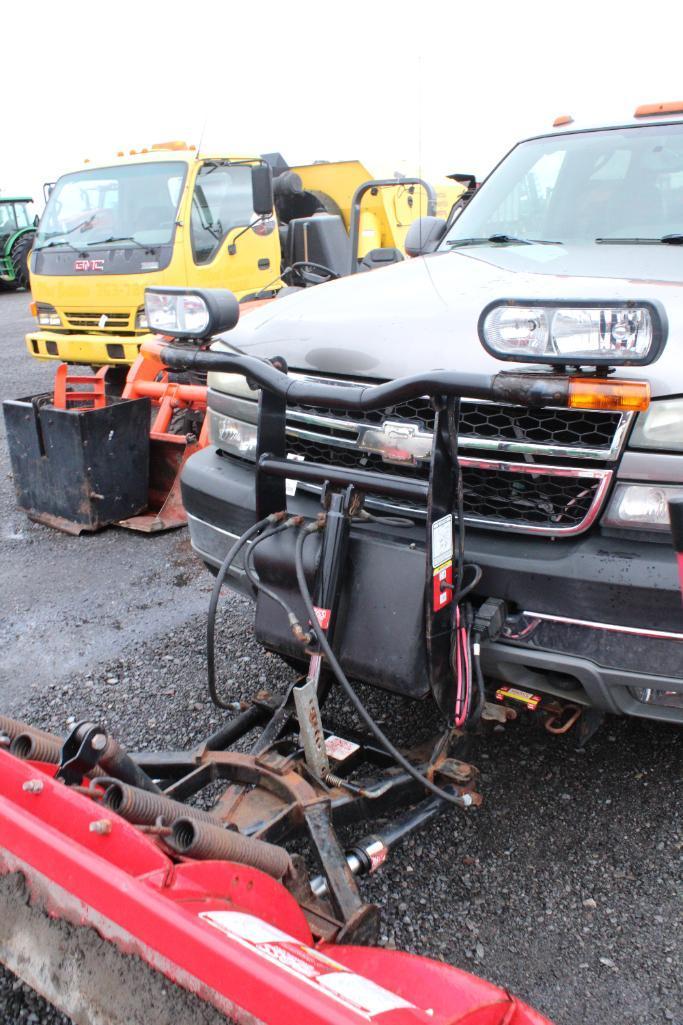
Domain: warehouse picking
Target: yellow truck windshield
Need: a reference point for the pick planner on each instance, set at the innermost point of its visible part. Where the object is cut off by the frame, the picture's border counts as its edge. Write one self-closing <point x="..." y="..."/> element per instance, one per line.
<point x="135" y="204"/>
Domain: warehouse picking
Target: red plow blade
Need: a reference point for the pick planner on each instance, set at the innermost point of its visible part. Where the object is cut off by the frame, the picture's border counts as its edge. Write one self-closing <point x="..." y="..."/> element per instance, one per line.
<point x="223" y="931"/>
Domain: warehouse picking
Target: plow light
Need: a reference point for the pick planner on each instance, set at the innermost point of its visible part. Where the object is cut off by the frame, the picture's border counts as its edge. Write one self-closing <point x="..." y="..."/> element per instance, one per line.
<point x="190" y="312"/>
<point x="574" y="333"/>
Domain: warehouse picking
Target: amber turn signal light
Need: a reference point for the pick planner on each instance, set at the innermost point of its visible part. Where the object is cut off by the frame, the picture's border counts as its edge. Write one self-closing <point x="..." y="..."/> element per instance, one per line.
<point x="618" y="396"/>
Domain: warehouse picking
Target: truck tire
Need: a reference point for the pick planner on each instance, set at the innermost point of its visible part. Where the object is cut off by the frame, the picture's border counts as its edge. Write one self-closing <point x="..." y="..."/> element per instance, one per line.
<point x="19" y="256"/>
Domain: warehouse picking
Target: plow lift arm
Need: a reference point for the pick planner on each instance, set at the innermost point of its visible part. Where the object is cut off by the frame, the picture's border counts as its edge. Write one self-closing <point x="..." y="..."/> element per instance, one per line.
<point x="212" y="899"/>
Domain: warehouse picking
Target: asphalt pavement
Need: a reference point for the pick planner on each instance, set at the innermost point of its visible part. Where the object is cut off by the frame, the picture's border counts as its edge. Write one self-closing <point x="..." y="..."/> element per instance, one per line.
<point x="566" y="886"/>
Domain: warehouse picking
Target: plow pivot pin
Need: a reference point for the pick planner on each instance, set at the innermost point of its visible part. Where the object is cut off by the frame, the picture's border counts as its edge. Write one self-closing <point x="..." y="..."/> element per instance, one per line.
<point x="32" y="786"/>
<point x="98" y="742"/>
<point x="101" y="826"/>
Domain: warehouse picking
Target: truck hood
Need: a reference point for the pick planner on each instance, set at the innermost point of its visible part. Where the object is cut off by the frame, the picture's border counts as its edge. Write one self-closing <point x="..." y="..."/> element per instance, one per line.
<point x="422" y="314"/>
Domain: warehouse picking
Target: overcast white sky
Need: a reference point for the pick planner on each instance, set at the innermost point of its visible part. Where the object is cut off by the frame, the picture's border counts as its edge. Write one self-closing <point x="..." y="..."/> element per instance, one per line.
<point x="435" y="86"/>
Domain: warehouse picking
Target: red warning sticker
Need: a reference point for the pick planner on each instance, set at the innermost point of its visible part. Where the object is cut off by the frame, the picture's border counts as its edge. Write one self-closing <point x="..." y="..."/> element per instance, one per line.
<point x="323" y="616"/>
<point x="442" y="594"/>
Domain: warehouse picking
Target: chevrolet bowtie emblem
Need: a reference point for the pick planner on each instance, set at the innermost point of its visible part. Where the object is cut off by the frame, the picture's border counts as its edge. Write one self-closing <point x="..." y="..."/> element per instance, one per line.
<point x="397" y="442"/>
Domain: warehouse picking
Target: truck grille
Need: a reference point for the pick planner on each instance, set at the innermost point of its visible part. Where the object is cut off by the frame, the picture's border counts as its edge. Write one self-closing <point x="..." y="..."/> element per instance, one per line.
<point x="89" y="320"/>
<point x="508" y="481"/>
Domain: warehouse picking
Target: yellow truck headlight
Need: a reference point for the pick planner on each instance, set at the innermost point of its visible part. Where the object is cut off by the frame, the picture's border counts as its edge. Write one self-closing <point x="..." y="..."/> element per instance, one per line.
<point x="47" y="315"/>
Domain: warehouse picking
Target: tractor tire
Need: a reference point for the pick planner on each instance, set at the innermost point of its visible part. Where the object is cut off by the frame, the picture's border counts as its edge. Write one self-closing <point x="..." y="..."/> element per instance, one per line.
<point x="20" y="256"/>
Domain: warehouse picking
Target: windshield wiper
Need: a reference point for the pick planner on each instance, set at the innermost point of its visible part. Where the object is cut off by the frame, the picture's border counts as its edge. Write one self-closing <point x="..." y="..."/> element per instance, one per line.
<point x="49" y="245"/>
<point x="667" y="240"/>
<point x="122" y="238"/>
<point x="500" y="239"/>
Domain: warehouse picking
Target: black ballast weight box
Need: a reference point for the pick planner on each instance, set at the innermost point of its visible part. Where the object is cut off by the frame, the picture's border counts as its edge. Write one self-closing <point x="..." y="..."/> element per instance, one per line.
<point x="79" y="469"/>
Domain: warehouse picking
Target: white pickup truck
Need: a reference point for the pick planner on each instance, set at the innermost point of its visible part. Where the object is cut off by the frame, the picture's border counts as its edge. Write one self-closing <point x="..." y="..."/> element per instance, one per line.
<point x="566" y="509"/>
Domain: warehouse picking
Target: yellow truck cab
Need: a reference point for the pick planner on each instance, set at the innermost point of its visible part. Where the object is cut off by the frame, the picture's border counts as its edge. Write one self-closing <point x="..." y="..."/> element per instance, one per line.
<point x="168" y="216"/>
<point x="162" y="217"/>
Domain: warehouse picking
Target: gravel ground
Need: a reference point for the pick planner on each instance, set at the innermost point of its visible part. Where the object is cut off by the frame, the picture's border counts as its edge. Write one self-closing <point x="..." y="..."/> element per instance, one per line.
<point x="565" y="886"/>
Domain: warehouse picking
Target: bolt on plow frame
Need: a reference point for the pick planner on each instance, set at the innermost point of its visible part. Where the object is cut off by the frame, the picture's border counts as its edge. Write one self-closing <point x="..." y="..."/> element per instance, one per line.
<point x="189" y="863"/>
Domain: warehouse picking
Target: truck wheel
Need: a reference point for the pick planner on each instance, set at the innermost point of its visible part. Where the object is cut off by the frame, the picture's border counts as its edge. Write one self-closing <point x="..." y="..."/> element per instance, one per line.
<point x="19" y="256"/>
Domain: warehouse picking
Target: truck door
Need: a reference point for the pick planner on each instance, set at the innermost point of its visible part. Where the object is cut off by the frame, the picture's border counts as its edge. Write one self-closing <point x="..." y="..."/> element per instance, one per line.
<point x="226" y="252"/>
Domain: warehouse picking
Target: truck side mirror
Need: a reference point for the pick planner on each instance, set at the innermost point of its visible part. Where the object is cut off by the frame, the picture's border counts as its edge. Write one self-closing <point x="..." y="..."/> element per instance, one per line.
<point x="424" y="235"/>
<point x="262" y="189"/>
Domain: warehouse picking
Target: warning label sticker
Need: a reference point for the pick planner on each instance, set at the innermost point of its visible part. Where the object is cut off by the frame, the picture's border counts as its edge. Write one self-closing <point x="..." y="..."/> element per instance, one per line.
<point x="311" y="966"/>
<point x="442" y="580"/>
<point x="442" y="540"/>
<point x="290" y="484"/>
<point x="339" y="748"/>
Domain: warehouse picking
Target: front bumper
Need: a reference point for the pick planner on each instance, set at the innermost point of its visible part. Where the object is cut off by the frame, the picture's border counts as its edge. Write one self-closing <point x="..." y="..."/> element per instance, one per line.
<point x="593" y="619"/>
<point x="92" y="349"/>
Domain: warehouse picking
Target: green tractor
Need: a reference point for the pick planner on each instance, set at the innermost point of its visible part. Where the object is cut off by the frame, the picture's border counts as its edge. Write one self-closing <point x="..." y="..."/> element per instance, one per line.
<point x="17" y="230"/>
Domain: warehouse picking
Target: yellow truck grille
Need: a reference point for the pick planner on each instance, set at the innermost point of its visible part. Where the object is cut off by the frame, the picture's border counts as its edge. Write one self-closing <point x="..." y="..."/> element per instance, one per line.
<point x="99" y="320"/>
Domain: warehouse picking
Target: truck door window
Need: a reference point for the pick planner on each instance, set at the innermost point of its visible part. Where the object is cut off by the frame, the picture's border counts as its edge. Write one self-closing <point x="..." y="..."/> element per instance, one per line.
<point x="222" y="200"/>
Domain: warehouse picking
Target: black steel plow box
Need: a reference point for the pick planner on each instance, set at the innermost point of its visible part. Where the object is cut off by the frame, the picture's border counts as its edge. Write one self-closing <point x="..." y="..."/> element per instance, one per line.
<point x="79" y="469"/>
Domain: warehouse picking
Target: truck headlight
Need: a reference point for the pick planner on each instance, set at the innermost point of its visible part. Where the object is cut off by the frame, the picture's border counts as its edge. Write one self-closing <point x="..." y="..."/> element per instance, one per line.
<point x="47" y="315"/>
<point x="190" y="312"/>
<point x="236" y="437"/>
<point x="641" y="506"/>
<point x="661" y="428"/>
<point x="580" y="333"/>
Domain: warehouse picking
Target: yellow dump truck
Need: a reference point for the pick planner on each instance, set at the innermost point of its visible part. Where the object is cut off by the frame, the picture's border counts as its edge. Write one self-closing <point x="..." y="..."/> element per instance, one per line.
<point x="168" y="216"/>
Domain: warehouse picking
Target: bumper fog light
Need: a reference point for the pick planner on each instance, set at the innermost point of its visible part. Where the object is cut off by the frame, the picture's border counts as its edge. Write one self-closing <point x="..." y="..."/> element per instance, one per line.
<point x="233" y="436"/>
<point x="655" y="696"/>
<point x="640" y="507"/>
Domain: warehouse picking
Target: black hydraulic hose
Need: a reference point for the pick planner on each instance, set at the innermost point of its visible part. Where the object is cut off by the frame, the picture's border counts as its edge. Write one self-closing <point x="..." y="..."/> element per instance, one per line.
<point x="213" y="604"/>
<point x="253" y="577"/>
<point x="400" y="759"/>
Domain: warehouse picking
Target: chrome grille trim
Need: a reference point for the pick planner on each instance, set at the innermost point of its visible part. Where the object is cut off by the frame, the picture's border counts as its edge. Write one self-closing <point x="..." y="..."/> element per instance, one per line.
<point x="603" y="476"/>
<point x="610" y="454"/>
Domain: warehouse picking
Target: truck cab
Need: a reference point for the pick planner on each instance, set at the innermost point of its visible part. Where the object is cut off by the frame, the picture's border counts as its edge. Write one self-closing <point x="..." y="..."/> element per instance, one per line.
<point x="566" y="510"/>
<point x="162" y="216"/>
<point x="167" y="216"/>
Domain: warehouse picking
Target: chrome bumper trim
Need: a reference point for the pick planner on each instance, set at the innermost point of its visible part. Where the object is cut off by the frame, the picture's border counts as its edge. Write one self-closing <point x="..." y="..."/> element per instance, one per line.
<point x="536" y="617"/>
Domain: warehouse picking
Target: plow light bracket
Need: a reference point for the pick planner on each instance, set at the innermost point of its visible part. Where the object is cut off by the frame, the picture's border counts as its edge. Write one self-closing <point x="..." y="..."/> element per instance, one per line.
<point x="197" y="313"/>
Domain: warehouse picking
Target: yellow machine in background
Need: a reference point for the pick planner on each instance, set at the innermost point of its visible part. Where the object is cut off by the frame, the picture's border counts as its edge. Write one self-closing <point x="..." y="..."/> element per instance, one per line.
<point x="167" y="216"/>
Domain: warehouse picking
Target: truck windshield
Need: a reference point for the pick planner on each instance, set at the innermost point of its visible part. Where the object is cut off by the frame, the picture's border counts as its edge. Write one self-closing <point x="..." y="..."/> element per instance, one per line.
<point x="135" y="204"/>
<point x="613" y="185"/>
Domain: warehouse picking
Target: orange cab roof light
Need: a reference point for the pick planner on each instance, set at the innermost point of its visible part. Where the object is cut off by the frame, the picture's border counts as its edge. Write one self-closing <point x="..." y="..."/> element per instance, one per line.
<point x="614" y="395"/>
<point x="652" y="109"/>
<point x="173" y="144"/>
<point x="563" y="119"/>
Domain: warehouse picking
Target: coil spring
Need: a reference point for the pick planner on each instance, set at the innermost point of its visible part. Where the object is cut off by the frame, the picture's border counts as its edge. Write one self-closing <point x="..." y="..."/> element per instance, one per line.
<point x="199" y="840"/>
<point x="144" y="808"/>
<point x="36" y="747"/>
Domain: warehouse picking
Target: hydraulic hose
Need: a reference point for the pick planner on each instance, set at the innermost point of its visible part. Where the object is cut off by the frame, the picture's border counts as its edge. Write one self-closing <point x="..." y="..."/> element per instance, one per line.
<point x="253" y="577"/>
<point x="400" y="759"/>
<point x="239" y="544"/>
